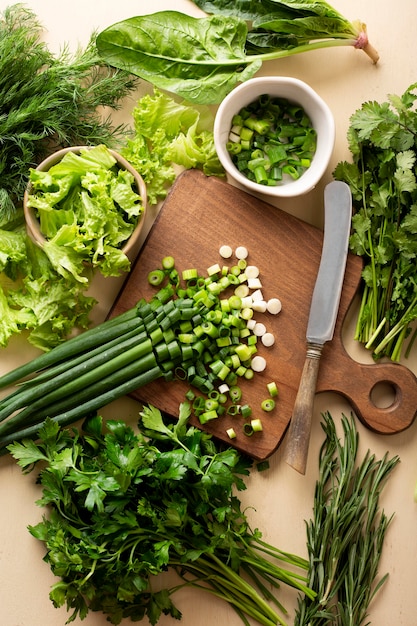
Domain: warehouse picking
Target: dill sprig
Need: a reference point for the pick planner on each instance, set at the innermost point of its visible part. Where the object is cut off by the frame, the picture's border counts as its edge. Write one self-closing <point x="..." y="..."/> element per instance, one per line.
<point x="346" y="534"/>
<point x="49" y="101"/>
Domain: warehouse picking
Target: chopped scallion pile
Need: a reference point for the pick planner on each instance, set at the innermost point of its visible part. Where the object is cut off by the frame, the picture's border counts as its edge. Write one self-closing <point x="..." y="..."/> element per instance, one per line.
<point x="272" y="141"/>
<point x="193" y="329"/>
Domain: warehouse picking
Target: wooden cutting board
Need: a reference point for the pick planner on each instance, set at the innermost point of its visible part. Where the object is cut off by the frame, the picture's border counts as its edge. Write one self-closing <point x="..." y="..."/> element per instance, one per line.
<point x="201" y="214"/>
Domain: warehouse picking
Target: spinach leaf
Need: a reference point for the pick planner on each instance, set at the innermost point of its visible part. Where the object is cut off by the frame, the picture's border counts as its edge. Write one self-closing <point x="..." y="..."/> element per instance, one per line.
<point x="245" y="9"/>
<point x="203" y="59"/>
<point x="305" y="28"/>
<point x="200" y="59"/>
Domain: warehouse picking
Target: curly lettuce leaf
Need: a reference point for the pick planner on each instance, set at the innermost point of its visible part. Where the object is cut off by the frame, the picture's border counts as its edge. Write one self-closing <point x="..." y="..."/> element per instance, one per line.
<point x="168" y="134"/>
<point x="36" y="299"/>
<point x="87" y="210"/>
<point x="12" y="250"/>
<point x="13" y="320"/>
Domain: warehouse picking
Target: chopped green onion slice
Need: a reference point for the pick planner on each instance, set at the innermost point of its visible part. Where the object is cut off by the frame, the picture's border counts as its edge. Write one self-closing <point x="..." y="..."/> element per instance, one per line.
<point x="268" y="404"/>
<point x="235" y="393"/>
<point x="248" y="429"/>
<point x="225" y="252"/>
<point x="168" y="263"/>
<point x="258" y="363"/>
<point x="241" y="252"/>
<point x="274" y="306"/>
<point x="272" y="389"/>
<point x="256" y="425"/>
<point x="156" y="277"/>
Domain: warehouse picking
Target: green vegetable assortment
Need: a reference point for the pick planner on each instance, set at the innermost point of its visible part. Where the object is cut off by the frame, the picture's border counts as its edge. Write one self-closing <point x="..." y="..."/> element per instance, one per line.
<point x="125" y="506"/>
<point x="50" y="103"/>
<point x="272" y="141"/>
<point x="46" y="102"/>
<point x="382" y="178"/>
<point x="202" y="59"/>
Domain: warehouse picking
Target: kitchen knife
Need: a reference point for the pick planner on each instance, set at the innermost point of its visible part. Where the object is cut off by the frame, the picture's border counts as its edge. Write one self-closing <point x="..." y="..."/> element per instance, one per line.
<point x="323" y="314"/>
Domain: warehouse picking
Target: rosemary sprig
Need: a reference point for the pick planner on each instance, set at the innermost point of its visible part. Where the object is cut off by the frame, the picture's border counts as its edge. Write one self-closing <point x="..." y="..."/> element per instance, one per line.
<point x="346" y="535"/>
<point x="49" y="101"/>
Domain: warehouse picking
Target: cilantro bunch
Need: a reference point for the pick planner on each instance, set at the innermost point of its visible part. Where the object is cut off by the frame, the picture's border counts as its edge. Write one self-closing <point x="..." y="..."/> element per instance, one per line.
<point x="382" y="177"/>
<point x="125" y="506"/>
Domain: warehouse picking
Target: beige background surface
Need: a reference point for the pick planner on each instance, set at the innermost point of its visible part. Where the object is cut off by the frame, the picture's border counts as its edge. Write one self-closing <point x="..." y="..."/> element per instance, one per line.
<point x="280" y="499"/>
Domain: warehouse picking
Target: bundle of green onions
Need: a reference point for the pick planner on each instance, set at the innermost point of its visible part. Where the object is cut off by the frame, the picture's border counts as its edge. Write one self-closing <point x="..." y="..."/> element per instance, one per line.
<point x="190" y="329"/>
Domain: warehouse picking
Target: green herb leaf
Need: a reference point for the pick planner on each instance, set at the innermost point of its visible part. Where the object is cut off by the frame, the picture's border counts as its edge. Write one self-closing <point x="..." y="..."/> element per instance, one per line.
<point x="27" y="454"/>
<point x="48" y="101"/>
<point x="346" y="534"/>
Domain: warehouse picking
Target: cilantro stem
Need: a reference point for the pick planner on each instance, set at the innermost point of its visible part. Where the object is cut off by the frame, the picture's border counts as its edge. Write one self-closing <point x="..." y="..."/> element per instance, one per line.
<point x="399" y="328"/>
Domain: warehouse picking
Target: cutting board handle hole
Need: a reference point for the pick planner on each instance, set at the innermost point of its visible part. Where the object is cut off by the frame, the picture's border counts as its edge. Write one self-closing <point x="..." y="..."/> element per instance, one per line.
<point x="384" y="394"/>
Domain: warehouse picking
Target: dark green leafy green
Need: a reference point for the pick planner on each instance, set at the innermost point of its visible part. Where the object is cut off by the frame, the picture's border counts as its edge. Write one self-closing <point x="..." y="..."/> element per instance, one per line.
<point x="202" y="59"/>
<point x="382" y="177"/>
<point x="345" y="537"/>
<point x="199" y="59"/>
<point x="124" y="506"/>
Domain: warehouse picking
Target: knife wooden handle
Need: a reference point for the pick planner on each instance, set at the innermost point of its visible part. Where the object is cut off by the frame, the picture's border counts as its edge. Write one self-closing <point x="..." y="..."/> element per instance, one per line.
<point x="296" y="452"/>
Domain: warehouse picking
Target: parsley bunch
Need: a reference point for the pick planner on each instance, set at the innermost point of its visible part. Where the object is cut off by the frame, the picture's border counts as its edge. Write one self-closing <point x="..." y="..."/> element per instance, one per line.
<point x="382" y="177"/>
<point x="125" y="506"/>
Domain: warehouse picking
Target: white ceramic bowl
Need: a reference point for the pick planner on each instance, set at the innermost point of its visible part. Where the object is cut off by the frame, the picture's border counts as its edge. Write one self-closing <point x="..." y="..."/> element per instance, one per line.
<point x="296" y="91"/>
<point x="32" y="223"/>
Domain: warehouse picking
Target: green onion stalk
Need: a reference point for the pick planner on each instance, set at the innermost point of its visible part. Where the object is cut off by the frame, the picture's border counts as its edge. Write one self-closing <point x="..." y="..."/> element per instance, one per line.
<point x="192" y="330"/>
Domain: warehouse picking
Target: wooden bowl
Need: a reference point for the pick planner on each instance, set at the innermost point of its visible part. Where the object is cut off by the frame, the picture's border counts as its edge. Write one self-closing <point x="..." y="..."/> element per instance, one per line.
<point x="32" y="222"/>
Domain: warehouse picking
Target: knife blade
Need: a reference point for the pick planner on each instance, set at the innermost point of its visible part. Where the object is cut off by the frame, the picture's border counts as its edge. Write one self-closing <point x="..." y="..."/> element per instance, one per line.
<point x="322" y="317"/>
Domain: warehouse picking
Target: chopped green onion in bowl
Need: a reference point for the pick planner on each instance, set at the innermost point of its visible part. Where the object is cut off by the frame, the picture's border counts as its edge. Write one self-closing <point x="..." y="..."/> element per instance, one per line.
<point x="274" y="136"/>
<point x="272" y="140"/>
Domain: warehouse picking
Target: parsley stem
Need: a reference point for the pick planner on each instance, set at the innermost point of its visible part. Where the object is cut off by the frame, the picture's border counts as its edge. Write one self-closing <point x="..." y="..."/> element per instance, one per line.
<point x="236" y="590"/>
